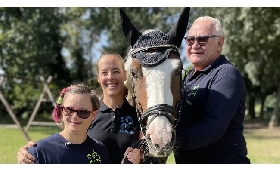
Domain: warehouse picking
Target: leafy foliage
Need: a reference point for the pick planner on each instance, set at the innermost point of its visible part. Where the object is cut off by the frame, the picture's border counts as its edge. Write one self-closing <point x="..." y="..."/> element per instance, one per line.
<point x="64" y="43"/>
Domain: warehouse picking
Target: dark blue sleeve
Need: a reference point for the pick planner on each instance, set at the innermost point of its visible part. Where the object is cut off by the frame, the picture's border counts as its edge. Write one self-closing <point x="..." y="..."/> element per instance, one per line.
<point x="33" y="151"/>
<point x="225" y="96"/>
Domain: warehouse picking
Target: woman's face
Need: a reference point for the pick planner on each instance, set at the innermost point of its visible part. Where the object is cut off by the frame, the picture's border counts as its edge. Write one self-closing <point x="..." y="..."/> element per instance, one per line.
<point x="75" y="105"/>
<point x="111" y="75"/>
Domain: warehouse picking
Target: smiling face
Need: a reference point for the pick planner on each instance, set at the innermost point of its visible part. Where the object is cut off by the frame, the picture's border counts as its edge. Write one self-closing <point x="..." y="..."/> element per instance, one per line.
<point x="77" y="101"/>
<point x="111" y="75"/>
<point x="202" y="56"/>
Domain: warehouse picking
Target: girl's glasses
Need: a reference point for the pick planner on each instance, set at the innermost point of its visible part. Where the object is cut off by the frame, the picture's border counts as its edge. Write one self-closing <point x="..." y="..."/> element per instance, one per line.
<point x="69" y="111"/>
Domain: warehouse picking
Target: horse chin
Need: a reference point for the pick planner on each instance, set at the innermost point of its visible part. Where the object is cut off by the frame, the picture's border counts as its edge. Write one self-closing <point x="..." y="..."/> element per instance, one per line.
<point x="161" y="151"/>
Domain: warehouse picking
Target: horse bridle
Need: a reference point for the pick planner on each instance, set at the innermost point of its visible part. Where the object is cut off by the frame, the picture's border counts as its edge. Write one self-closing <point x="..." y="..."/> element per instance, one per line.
<point x="171" y="113"/>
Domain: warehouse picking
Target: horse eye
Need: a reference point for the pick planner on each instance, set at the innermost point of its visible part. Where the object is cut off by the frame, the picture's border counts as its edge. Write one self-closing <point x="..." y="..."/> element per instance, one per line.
<point x="134" y="75"/>
<point x="178" y="71"/>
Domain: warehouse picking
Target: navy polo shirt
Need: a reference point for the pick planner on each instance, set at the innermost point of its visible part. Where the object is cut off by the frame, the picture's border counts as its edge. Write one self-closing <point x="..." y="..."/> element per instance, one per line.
<point x="117" y="130"/>
<point x="55" y="150"/>
<point x="210" y="129"/>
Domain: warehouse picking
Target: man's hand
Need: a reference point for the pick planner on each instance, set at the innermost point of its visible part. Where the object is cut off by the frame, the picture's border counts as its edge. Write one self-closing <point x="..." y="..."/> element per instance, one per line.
<point x="23" y="156"/>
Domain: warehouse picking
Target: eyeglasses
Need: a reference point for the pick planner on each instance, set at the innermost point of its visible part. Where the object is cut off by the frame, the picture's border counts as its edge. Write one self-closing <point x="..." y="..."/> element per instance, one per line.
<point x="202" y="40"/>
<point x="69" y="111"/>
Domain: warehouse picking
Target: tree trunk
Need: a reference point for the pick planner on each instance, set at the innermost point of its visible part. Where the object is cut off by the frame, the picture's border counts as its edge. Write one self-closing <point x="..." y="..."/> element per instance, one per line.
<point x="274" y="117"/>
<point x="251" y="106"/>
<point x="262" y="106"/>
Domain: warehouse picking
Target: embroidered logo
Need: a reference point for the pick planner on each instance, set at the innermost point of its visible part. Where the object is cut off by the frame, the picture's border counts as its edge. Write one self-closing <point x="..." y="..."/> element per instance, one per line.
<point x="127" y="125"/>
<point x="190" y="103"/>
<point x="194" y="91"/>
<point x="94" y="158"/>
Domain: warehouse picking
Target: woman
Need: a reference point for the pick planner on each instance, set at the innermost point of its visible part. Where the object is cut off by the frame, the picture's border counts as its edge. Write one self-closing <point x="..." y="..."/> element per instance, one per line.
<point x="75" y="109"/>
<point x="116" y="124"/>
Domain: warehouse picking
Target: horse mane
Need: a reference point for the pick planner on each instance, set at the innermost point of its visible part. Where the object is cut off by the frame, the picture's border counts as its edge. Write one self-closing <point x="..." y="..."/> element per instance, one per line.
<point x="127" y="83"/>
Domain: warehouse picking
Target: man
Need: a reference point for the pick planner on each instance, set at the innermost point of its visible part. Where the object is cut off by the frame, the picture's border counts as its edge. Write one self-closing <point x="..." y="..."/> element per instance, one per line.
<point x="211" y="123"/>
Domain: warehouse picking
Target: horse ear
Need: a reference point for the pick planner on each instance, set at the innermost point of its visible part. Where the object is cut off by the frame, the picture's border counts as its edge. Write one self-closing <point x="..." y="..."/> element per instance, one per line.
<point x="129" y="31"/>
<point x="178" y="31"/>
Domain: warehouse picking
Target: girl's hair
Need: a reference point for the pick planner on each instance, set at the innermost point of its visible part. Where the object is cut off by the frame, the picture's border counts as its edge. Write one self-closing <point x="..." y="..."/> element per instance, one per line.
<point x="79" y="88"/>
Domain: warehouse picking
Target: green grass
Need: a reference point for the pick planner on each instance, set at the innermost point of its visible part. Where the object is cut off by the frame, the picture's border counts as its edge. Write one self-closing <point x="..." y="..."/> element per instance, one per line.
<point x="12" y="139"/>
<point x="263" y="144"/>
<point x="170" y="159"/>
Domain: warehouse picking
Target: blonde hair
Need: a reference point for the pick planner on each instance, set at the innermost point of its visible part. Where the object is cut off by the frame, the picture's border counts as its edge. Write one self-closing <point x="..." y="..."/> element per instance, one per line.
<point x="111" y="54"/>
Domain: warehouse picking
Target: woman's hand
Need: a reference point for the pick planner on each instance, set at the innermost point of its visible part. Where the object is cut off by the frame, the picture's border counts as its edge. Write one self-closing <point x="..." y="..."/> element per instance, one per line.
<point x="133" y="155"/>
<point x="23" y="156"/>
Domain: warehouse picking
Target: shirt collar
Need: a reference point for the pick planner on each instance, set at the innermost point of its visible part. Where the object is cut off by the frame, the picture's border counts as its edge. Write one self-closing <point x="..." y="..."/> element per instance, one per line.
<point x="104" y="108"/>
<point x="218" y="61"/>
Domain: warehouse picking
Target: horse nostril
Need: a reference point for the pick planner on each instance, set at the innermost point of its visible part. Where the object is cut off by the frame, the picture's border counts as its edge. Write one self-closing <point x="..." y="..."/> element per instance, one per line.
<point x="156" y="146"/>
<point x="148" y="138"/>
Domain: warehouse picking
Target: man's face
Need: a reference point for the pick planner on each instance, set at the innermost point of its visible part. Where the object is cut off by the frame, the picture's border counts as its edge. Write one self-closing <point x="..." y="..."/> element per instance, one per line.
<point x="209" y="49"/>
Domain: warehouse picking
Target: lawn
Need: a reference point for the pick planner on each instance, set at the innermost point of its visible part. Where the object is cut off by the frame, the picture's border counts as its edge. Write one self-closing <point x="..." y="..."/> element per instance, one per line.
<point x="263" y="144"/>
<point x="11" y="139"/>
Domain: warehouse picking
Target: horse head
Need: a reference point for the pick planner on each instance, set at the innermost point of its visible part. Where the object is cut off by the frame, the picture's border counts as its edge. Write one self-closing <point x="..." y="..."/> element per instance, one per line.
<point x="154" y="80"/>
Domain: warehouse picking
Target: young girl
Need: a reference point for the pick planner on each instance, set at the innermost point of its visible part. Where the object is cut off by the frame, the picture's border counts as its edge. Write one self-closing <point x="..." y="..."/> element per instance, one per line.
<point x="75" y="109"/>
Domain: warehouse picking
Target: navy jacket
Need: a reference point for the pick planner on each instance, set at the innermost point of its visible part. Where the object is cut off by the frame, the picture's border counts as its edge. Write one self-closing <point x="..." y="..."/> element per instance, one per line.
<point x="210" y="129"/>
<point x="55" y="149"/>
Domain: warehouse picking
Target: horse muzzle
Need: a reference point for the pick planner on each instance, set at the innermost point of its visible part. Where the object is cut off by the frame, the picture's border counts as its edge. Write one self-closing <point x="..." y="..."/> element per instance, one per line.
<point x="159" y="131"/>
<point x="162" y="149"/>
